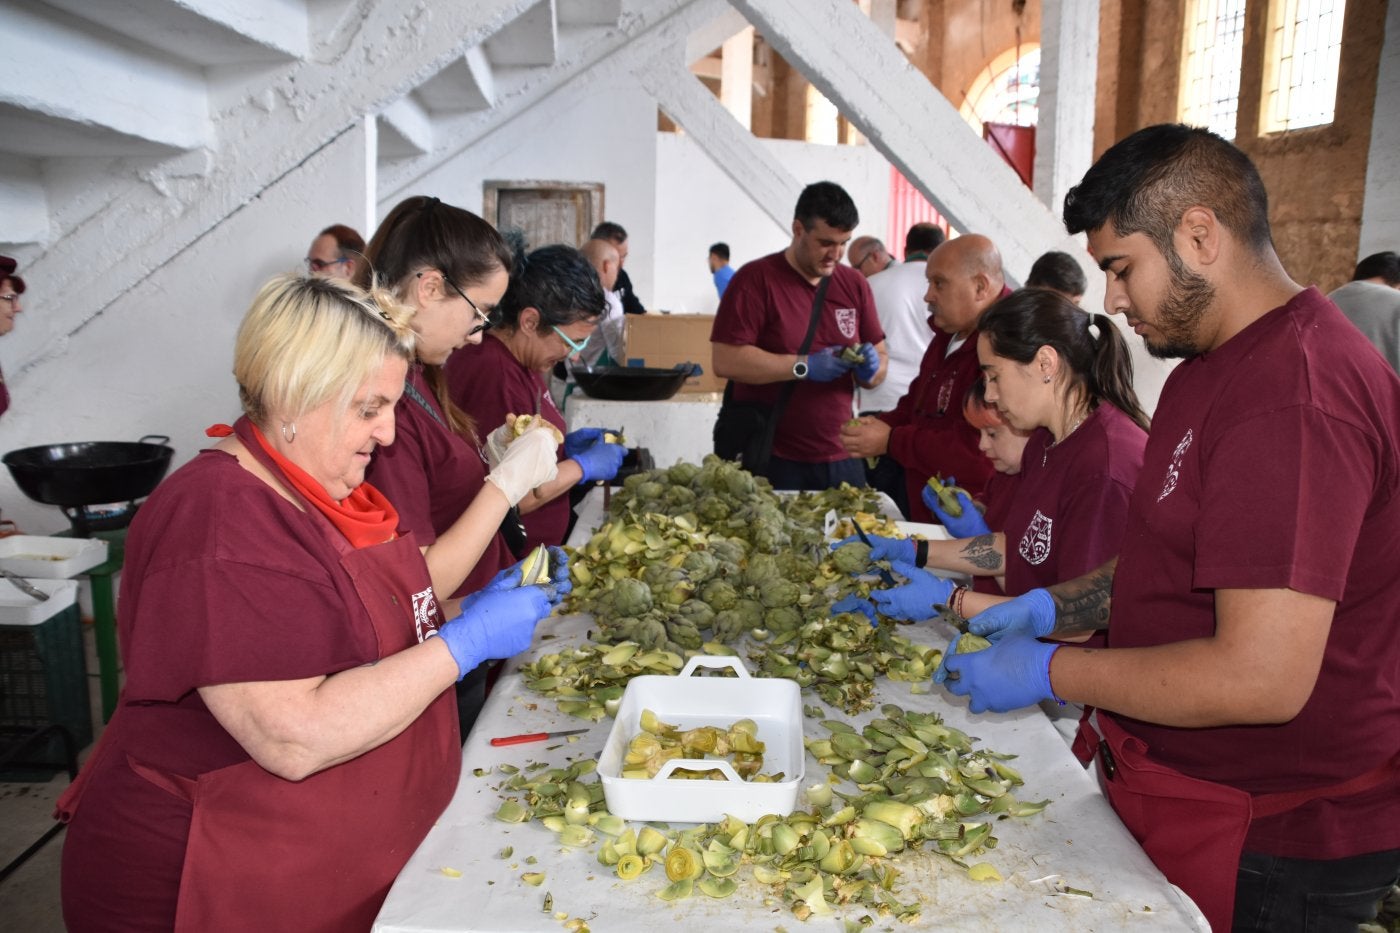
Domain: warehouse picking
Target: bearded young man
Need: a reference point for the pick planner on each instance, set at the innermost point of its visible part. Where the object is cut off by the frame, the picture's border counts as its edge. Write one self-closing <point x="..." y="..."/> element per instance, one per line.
<point x="1249" y="700"/>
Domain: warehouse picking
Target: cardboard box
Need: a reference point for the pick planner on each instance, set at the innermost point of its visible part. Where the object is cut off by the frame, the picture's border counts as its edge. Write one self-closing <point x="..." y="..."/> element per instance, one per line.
<point x="662" y="340"/>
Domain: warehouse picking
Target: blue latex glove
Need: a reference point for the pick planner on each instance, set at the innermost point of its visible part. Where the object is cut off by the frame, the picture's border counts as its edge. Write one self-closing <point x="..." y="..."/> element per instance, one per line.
<point x="867" y="370"/>
<point x="1030" y="614"/>
<point x="497" y="624"/>
<point x="826" y="365"/>
<point x="576" y="442"/>
<point x="914" y="601"/>
<point x="560" y="584"/>
<point x="600" y="461"/>
<point x="969" y="524"/>
<point x="901" y="549"/>
<point x="854" y="603"/>
<point x="1012" y="673"/>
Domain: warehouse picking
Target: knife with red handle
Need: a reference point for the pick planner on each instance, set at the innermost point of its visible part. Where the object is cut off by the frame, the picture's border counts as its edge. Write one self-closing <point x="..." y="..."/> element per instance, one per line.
<point x="533" y="737"/>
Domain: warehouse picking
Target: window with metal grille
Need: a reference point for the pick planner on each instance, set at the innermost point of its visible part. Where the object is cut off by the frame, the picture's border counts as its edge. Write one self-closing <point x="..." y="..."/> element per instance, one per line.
<point x="1300" y="77"/>
<point x="1212" y="44"/>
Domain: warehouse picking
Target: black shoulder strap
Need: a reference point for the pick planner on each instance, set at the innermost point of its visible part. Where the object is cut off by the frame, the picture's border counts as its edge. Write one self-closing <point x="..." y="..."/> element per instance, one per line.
<point x="789" y="387"/>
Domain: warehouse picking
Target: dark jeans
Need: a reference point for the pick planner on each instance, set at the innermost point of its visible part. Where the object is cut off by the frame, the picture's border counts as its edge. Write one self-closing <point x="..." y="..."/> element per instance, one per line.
<point x="800" y="475"/>
<point x="471" y="697"/>
<point x="1294" y="895"/>
<point x="888" y="477"/>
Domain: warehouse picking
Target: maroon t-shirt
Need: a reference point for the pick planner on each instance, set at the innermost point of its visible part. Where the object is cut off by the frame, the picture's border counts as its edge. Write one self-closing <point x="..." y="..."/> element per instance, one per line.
<point x="4" y="395"/>
<point x="1273" y="462"/>
<point x="769" y="305"/>
<point x="231" y="587"/>
<point x="1068" y="513"/>
<point x="929" y="433"/>
<point x="431" y="474"/>
<point x="488" y="383"/>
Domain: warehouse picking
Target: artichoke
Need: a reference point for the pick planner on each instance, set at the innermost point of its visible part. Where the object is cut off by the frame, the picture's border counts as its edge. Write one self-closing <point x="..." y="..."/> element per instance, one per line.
<point x="852" y="558"/>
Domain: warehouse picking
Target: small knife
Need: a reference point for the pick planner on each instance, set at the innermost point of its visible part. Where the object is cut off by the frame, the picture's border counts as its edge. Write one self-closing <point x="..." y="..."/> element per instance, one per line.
<point x="23" y="585"/>
<point x="886" y="577"/>
<point x="533" y="737"/>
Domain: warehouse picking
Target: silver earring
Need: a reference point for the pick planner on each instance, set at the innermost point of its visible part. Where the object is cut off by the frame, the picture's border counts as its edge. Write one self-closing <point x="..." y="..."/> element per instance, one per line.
<point x="293" y="435"/>
<point x="1047" y="382"/>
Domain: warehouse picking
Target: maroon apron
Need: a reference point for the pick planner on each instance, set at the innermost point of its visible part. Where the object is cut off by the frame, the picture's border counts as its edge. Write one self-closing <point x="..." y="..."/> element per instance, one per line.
<point x="1192" y="829"/>
<point x="320" y="854"/>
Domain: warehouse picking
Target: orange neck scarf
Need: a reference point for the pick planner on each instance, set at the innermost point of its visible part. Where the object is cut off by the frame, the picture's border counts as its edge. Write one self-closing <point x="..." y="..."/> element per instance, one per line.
<point x="365" y="517"/>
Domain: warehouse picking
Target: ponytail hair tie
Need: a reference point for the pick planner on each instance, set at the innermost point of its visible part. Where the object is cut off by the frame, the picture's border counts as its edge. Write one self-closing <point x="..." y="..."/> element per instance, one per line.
<point x="1095" y="328"/>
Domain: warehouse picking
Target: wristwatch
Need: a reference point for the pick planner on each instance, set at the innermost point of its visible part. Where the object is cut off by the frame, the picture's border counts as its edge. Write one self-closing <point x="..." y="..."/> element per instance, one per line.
<point x="799" y="369"/>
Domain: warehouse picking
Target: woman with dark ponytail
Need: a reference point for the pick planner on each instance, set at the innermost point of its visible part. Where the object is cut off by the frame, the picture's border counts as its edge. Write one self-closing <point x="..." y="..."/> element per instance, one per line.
<point x="450" y="268"/>
<point x="1065" y="376"/>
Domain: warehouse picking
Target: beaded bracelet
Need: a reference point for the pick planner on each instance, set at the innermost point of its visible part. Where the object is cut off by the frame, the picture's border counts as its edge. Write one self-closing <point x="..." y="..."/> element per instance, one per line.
<point x="955" y="601"/>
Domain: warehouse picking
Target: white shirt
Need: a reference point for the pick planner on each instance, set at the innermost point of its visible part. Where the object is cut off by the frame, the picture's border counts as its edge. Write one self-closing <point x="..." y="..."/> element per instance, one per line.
<point x="609" y="334"/>
<point x="899" y="301"/>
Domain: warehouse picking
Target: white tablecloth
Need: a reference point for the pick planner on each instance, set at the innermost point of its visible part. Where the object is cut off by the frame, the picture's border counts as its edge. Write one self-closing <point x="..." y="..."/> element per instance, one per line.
<point x="1077" y="839"/>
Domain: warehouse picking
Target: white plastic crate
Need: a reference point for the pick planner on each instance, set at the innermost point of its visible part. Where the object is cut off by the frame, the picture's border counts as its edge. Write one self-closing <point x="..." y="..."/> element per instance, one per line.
<point x="689" y="702"/>
<point x="19" y="608"/>
<point x="50" y="558"/>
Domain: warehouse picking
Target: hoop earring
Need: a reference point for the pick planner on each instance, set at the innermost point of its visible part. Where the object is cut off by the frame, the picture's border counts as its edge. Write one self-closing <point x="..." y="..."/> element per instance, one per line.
<point x="293" y="437"/>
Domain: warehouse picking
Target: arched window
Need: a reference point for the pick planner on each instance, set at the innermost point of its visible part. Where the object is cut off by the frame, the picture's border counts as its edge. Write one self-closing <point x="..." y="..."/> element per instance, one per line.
<point x="1006" y="91"/>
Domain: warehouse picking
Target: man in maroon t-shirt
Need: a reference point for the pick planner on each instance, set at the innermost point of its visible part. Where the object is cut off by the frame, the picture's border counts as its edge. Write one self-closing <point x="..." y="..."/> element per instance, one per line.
<point x="762" y="320"/>
<point x="927" y="433"/>
<point x="1249" y="697"/>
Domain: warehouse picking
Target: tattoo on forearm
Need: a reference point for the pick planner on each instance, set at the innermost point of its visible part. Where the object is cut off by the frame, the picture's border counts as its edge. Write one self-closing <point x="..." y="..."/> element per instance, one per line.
<point x="981" y="552"/>
<point x="1083" y="603"/>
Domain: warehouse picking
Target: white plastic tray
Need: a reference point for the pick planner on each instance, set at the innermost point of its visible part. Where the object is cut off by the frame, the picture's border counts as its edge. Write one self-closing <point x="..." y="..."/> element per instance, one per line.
<point x="50" y="558"/>
<point x="688" y="702"/>
<point x="19" y="608"/>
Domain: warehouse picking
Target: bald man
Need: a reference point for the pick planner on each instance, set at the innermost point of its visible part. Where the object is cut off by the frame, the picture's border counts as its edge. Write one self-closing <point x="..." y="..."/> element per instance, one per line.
<point x="868" y="255"/>
<point x="926" y="433"/>
<point x="606" y="260"/>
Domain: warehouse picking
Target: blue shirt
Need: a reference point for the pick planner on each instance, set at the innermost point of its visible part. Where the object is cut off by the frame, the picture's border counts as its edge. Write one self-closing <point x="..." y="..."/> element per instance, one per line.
<point x="722" y="276"/>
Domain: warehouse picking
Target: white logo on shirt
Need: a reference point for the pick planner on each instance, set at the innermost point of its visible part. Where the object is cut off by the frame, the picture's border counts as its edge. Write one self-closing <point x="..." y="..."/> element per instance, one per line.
<point x="1035" y="543"/>
<point x="846" y="320"/>
<point x="424" y="612"/>
<point x="1174" y="468"/>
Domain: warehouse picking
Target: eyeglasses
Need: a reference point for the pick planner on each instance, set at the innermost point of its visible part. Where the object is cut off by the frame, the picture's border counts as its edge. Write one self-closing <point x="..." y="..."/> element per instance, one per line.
<point x="321" y="265"/>
<point x="574" y="347"/>
<point x="11" y="298"/>
<point x="483" y="320"/>
<point x="866" y="258"/>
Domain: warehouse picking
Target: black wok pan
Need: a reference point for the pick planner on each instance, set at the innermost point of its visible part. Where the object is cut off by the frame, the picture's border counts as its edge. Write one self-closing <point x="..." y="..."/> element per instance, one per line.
<point x="90" y="472"/>
<point x="631" y="383"/>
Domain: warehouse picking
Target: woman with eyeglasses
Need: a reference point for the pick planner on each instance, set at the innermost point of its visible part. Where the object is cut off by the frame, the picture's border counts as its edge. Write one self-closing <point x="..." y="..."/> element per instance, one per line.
<point x="11" y="287"/>
<point x="450" y="267"/>
<point x="548" y="314"/>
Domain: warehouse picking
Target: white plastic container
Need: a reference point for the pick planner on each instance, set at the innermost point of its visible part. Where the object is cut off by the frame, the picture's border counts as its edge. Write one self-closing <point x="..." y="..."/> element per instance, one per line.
<point x="689" y="702"/>
<point x="50" y="558"/>
<point x="19" y="608"/>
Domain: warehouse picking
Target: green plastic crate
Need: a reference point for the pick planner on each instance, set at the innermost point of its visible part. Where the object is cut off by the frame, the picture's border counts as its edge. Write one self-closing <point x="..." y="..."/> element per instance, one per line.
<point x="43" y="680"/>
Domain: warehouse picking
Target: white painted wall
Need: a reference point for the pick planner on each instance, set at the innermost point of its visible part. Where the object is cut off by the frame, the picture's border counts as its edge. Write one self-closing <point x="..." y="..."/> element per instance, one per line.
<point x="671" y="197"/>
<point x="590" y="131"/>
<point x="158" y="360"/>
<point x="697" y="204"/>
